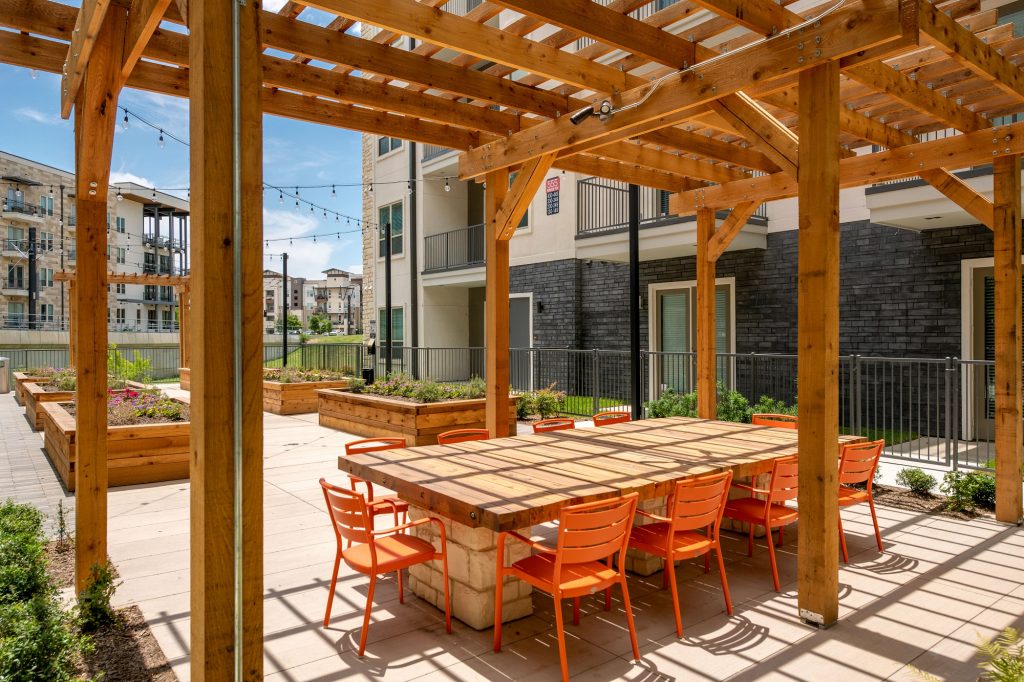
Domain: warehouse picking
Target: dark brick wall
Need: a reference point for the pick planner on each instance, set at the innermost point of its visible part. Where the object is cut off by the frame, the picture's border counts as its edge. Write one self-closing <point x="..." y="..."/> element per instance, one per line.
<point x="555" y="286"/>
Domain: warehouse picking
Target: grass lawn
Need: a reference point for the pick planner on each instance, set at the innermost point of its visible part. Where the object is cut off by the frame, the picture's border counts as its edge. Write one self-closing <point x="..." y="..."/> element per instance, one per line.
<point x="579" y="405"/>
<point x="890" y="436"/>
<point x="351" y="338"/>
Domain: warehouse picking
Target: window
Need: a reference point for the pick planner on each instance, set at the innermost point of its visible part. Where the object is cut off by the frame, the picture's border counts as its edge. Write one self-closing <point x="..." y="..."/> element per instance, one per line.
<point x="45" y="205"/>
<point x="676" y="338"/>
<point x="72" y="219"/>
<point x="120" y="254"/>
<point x="120" y="225"/>
<point x="121" y="289"/>
<point x="397" y="330"/>
<point x="391" y="214"/>
<point x="46" y="312"/>
<point x="387" y="144"/>
<point x="45" y="277"/>
<point x="167" y="293"/>
<point x="15" y="277"/>
<point x="120" y="316"/>
<point x="15" y="239"/>
<point x="167" y="319"/>
<point x="149" y="293"/>
<point x="15" y="199"/>
<point x="15" y="314"/>
<point x="151" y="323"/>
<point x="46" y="241"/>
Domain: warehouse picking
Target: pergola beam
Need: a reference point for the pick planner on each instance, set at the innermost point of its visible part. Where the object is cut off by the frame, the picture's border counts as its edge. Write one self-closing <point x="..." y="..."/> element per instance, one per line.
<point x="730" y="228"/>
<point x="850" y="29"/>
<point x="959" y="151"/>
<point x="763" y="130"/>
<point x="519" y="196"/>
<point x="143" y="19"/>
<point x="83" y="39"/>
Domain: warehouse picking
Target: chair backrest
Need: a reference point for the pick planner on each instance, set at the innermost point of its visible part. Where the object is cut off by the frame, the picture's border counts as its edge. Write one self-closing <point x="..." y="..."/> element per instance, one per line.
<point x="557" y="424"/>
<point x="594" y="530"/>
<point x="360" y="447"/>
<point x="784" y="481"/>
<point x="858" y="462"/>
<point x="699" y="502"/>
<point x="348" y="513"/>
<point x="606" y="418"/>
<point x="461" y="436"/>
<point x="779" y="421"/>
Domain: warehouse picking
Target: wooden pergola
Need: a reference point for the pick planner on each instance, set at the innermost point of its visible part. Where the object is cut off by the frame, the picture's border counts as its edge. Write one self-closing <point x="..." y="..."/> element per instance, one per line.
<point x="178" y="282"/>
<point x="704" y="98"/>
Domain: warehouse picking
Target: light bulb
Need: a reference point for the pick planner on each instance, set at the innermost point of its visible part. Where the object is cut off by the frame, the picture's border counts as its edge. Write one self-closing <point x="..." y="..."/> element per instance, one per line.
<point x="120" y="197"/>
<point x="34" y="74"/>
<point x="334" y="195"/>
<point x="160" y="140"/>
<point x="447" y="187"/>
<point x="280" y="199"/>
<point x="124" y="121"/>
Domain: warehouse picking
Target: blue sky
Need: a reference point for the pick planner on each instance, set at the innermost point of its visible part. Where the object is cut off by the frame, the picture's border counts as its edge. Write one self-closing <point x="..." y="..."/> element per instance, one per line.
<point x="294" y="153"/>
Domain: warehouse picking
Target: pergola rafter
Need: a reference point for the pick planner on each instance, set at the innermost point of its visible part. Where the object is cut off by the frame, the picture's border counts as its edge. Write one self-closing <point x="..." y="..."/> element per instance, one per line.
<point x="717" y="103"/>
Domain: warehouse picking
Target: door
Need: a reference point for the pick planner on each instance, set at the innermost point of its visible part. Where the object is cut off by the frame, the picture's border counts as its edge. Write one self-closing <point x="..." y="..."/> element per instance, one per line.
<point x="981" y="378"/>
<point x="520" y="339"/>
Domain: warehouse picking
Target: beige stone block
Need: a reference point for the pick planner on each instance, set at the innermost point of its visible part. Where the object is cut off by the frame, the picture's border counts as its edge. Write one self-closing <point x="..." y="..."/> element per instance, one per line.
<point x="459" y="561"/>
<point x="483" y="569"/>
<point x="476" y="539"/>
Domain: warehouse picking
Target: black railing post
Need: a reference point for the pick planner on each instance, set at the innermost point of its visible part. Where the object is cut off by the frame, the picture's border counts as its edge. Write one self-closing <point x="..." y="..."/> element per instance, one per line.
<point x="951" y="457"/>
<point x="634" y="300"/>
<point x="595" y="378"/>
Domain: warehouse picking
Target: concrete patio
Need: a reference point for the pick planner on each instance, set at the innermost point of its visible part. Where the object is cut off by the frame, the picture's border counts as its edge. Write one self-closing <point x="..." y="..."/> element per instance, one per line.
<point x="940" y="585"/>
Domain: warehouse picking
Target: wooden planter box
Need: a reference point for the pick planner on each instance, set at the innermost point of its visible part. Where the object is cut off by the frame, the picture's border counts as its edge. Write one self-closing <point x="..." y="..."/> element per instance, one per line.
<point x="185" y="378"/>
<point x="20" y="379"/>
<point x="419" y="423"/>
<point x="297" y="397"/>
<point x="34" y="397"/>
<point x="142" y="453"/>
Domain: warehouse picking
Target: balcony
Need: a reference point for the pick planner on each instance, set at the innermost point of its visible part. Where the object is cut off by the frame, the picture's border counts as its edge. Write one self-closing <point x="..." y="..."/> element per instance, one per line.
<point x="15" y="247"/>
<point x="21" y="211"/>
<point x="454" y="250"/>
<point x="152" y="269"/>
<point x="433" y="151"/>
<point x="14" y="287"/>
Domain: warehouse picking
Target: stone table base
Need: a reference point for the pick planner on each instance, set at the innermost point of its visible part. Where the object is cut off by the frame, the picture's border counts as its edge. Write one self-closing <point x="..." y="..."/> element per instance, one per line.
<point x="472" y="572"/>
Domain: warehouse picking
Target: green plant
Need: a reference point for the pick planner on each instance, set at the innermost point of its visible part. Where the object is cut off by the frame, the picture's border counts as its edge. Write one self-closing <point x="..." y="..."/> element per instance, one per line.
<point x="522" y="407"/>
<point x="672" y="404"/>
<point x="94" y="607"/>
<point x="983" y="489"/>
<point x="918" y="481"/>
<point x="768" y="405"/>
<point x="956" y="486"/>
<point x="63" y="534"/>
<point x="64" y="379"/>
<point x="119" y="367"/>
<point x="427" y="392"/>
<point x="400" y="385"/>
<point x="1004" y="657"/>
<point x="545" y="402"/>
<point x="357" y="385"/>
<point x="22" y="559"/>
<point x="731" y="405"/>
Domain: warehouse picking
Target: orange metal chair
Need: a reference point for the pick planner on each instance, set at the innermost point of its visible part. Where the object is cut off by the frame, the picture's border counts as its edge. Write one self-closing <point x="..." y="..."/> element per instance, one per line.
<point x="461" y="436"/>
<point x="557" y="424"/>
<point x="857" y="464"/>
<point x="780" y="421"/>
<point x="378" y="551"/>
<point x="385" y="503"/>
<point x="696" y="504"/>
<point x="589" y="536"/>
<point x="770" y="512"/>
<point x="610" y="417"/>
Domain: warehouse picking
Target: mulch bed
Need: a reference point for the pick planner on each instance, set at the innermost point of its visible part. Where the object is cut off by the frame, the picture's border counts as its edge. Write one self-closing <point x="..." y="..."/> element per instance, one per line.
<point x="902" y="498"/>
<point x="123" y="650"/>
<point x="71" y="409"/>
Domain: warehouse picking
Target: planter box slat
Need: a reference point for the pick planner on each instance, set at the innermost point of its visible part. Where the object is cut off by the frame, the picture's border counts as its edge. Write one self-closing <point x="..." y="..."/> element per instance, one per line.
<point x="22" y="378"/>
<point x="371" y="416"/>
<point x="35" y="396"/>
<point x="141" y="453"/>
<point x="297" y="397"/>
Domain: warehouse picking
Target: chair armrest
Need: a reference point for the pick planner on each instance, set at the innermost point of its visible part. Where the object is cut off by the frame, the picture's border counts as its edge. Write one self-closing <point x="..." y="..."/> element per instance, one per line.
<point x="649" y="515"/>
<point x="532" y="543"/>
<point x="405" y="526"/>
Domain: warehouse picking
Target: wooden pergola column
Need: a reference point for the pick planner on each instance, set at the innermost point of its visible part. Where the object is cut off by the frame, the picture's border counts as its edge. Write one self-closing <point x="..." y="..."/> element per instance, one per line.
<point x="707" y="381"/>
<point x="184" y="351"/>
<point x="496" y="312"/>
<point x="72" y="321"/>
<point x="1009" y="434"/>
<point x="95" y="109"/>
<point x="818" y="345"/>
<point x="221" y="353"/>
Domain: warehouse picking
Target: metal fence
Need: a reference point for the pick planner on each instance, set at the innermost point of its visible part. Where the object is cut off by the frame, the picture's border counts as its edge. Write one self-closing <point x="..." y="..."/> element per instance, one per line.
<point x="928" y="410"/>
<point x="460" y="248"/>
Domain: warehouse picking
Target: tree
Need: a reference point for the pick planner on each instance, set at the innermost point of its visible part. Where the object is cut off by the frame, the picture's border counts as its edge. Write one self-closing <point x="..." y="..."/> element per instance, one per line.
<point x="319" y="324"/>
<point x="293" y="323"/>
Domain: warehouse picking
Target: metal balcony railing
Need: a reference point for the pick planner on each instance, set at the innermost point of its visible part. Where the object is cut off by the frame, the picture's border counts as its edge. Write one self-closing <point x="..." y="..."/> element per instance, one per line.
<point x="432" y="151"/>
<point x="455" y="249"/>
<point x="20" y="207"/>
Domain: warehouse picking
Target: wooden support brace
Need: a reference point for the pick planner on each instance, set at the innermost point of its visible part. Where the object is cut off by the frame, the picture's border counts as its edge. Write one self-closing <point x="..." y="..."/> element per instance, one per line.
<point x="496" y="323"/>
<point x="707" y="378"/>
<point x="730" y="227"/>
<point x="95" y="118"/>
<point x="818" y="346"/>
<point x="1009" y="435"/>
<point x="83" y="40"/>
<point x="517" y="200"/>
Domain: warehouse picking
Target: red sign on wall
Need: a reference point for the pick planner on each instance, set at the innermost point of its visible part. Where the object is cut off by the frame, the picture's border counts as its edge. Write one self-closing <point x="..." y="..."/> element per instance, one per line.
<point x="552" y="184"/>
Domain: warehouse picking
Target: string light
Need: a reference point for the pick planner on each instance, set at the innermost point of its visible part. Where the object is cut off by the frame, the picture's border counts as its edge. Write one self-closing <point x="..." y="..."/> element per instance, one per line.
<point x="334" y="195"/>
<point x="124" y="121"/>
<point x="120" y="197"/>
<point x="447" y="187"/>
<point x="160" y="141"/>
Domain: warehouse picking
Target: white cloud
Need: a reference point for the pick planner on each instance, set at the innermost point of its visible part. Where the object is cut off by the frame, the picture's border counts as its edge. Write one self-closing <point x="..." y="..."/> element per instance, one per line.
<point x="273" y="5"/>
<point x="356" y="269"/>
<point x="38" y="116"/>
<point x="121" y="176"/>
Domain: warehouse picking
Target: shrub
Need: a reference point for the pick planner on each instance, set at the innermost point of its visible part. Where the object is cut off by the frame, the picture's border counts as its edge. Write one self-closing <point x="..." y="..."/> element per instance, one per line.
<point x="732" y="406"/>
<point x="119" y="367"/>
<point x="131" y="407"/>
<point x="39" y="641"/>
<point x="957" y="488"/>
<point x="767" y="405"/>
<point x="918" y="481"/>
<point x="983" y="489"/>
<point x="293" y="375"/>
<point x="672" y="404"/>
<point x="357" y="385"/>
<point x="64" y="379"/>
<point x="1004" y="657"/>
<point x="543" y="403"/>
<point x="400" y="385"/>
<point x="94" y="601"/>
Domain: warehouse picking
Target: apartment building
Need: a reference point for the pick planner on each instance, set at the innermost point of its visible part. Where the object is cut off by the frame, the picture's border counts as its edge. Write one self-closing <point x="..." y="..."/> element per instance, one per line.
<point x="916" y="269"/>
<point x="338" y="296"/>
<point x="147" y="233"/>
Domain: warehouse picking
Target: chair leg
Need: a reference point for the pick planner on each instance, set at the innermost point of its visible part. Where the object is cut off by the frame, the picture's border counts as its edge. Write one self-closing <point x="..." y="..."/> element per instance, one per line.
<point x="576" y="611"/>
<point x="725" y="582"/>
<point x="675" y="599"/>
<point x="366" y="616"/>
<point x="498" y="589"/>
<point x="750" y="540"/>
<point x="771" y="557"/>
<point x="401" y="591"/>
<point x="874" y="519"/>
<point x="781" y="528"/>
<point x="447" y="592"/>
<point x="707" y="562"/>
<point x="842" y="539"/>
<point x="629" y="617"/>
<point x="560" y="631"/>
<point x="666" y="566"/>
<point x="334" y="583"/>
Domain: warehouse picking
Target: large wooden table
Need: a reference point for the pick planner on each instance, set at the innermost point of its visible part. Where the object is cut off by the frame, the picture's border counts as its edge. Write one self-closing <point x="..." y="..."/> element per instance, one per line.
<point x="484" y="487"/>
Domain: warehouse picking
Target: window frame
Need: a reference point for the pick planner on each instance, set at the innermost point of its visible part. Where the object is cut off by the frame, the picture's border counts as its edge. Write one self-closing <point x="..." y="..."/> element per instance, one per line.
<point x="400" y="237"/>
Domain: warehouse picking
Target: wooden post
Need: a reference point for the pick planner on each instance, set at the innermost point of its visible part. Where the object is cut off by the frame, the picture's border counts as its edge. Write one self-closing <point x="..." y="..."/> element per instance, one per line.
<point x="220" y="352"/>
<point x="95" y="118"/>
<point x="1007" y="257"/>
<point x="496" y="308"/>
<point x="183" y="333"/>
<point x="707" y="376"/>
<point x="818" y="345"/>
<point x="72" y="322"/>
